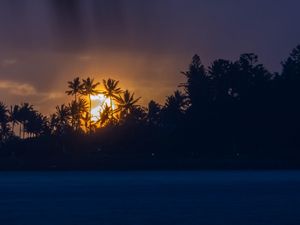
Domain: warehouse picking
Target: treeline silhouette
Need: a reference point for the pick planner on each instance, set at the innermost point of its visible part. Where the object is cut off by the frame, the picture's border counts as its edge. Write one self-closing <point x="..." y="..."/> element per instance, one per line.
<point x="233" y="111"/>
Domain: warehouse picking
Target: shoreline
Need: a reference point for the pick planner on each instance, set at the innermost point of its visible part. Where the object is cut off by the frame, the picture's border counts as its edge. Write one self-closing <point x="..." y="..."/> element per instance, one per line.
<point x="147" y="165"/>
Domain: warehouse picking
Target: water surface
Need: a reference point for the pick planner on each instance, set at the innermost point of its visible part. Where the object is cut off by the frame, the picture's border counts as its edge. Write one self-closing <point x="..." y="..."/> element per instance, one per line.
<point x="150" y="198"/>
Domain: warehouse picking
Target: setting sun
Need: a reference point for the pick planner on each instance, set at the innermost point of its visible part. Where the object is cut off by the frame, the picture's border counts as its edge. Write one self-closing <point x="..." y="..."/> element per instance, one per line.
<point x="98" y="104"/>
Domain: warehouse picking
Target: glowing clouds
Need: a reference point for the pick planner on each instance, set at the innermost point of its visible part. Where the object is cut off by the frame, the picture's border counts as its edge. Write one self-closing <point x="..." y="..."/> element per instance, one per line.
<point x="16" y="88"/>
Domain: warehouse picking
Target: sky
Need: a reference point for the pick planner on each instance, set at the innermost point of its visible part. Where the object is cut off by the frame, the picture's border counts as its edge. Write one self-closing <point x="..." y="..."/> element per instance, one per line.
<point x="144" y="44"/>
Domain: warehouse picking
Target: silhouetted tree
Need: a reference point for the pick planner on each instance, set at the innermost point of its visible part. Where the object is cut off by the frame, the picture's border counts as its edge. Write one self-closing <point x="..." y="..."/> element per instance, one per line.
<point x="198" y="87"/>
<point x="126" y="103"/>
<point x="233" y="110"/>
<point x="221" y="73"/>
<point x="35" y="125"/>
<point x="111" y="91"/>
<point x="137" y="115"/>
<point x="154" y="113"/>
<point x="61" y="119"/>
<point x="25" y="114"/>
<point x="77" y="110"/>
<point x="174" y="109"/>
<point x="14" y="115"/>
<point x="90" y="88"/>
<point x="288" y="85"/>
<point x="75" y="87"/>
<point x="5" y="131"/>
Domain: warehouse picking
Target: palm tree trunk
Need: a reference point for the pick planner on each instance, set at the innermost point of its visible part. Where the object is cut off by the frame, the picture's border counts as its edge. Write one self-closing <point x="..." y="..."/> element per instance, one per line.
<point x="13" y="127"/>
<point x="111" y="108"/>
<point x="20" y="130"/>
<point x="90" y="114"/>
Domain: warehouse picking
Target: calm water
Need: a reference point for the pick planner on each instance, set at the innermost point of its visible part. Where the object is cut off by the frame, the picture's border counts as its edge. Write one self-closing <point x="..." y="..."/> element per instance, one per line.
<point x="154" y="198"/>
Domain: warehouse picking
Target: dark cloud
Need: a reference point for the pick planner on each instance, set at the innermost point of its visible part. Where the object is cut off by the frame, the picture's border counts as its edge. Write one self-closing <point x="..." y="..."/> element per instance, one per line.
<point x="145" y="44"/>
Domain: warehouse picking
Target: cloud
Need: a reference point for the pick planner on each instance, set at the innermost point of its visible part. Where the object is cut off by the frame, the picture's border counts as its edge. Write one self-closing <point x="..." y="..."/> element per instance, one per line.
<point x="25" y="89"/>
<point x="48" y="96"/>
<point x="85" y="58"/>
<point x="16" y="88"/>
<point x="8" y="62"/>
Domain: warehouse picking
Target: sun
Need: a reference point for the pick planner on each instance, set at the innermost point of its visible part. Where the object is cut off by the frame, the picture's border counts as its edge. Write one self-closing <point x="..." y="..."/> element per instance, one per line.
<point x="98" y="104"/>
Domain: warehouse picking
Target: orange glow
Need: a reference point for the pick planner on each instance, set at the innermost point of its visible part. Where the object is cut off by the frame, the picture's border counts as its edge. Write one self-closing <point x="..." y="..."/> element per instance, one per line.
<point x="98" y="104"/>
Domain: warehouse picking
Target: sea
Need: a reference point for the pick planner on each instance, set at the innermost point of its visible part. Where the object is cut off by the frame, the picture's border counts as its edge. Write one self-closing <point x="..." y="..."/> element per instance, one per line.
<point x="150" y="198"/>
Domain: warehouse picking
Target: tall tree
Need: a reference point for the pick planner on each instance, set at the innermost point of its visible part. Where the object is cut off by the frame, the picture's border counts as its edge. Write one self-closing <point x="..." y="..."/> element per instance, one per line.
<point x="106" y="116"/>
<point x="174" y="108"/>
<point x="153" y="113"/>
<point x="75" y="87"/>
<point x="62" y="118"/>
<point x="77" y="111"/>
<point x="24" y="115"/>
<point x="111" y="91"/>
<point x="126" y="103"/>
<point x="35" y="124"/>
<point x="75" y="114"/>
<point x="220" y="72"/>
<point x="289" y="89"/>
<point x="4" y="119"/>
<point x="291" y="74"/>
<point x="198" y="87"/>
<point x="90" y="88"/>
<point x="14" y="115"/>
<point x="137" y="115"/>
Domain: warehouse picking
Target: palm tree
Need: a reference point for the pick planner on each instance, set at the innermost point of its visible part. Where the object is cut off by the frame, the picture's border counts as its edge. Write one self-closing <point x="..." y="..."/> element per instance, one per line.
<point x="75" y="87"/>
<point x="14" y="115"/>
<point x="77" y="110"/>
<point x="3" y="112"/>
<point x="75" y="115"/>
<point x="177" y="101"/>
<point x="174" y="108"/>
<point x="112" y="91"/>
<point x="90" y="88"/>
<point x="137" y="115"/>
<point x="4" y="119"/>
<point x="154" y="111"/>
<point x="24" y="115"/>
<point x="53" y="123"/>
<point x="126" y="103"/>
<point x="61" y="118"/>
<point x="35" y="124"/>
<point x="106" y="116"/>
<point x="63" y="114"/>
<point x="46" y="126"/>
<point x="87" y="121"/>
<point x="5" y="131"/>
<point x="83" y="105"/>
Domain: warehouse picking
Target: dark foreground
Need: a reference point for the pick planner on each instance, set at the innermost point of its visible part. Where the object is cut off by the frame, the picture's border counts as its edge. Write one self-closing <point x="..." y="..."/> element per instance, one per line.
<point x="147" y="198"/>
